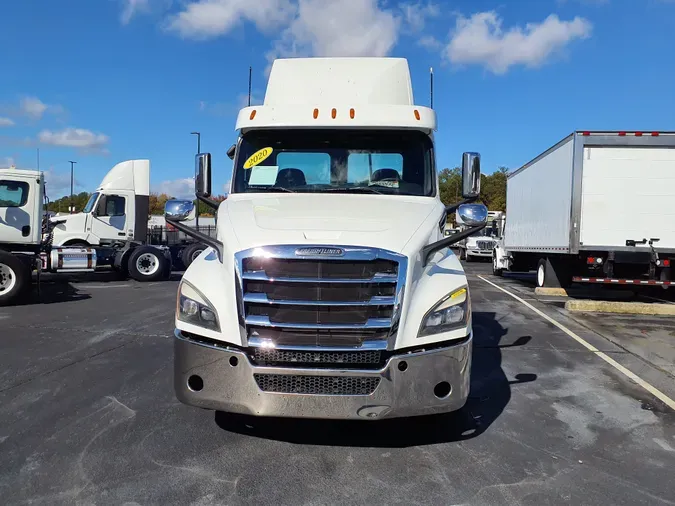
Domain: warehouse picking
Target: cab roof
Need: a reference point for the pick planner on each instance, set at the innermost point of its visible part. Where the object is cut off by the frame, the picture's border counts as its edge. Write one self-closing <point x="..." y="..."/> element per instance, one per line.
<point x="338" y="93"/>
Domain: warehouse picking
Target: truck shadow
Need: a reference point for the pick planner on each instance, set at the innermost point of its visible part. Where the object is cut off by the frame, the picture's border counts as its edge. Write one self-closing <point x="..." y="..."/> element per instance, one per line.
<point x="490" y="394"/>
<point x="53" y="293"/>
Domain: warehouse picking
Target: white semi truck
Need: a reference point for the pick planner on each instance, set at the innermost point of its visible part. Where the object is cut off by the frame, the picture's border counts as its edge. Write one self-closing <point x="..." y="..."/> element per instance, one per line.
<point x="110" y="232"/>
<point x="330" y="291"/>
<point x="595" y="208"/>
<point x="118" y="212"/>
<point x="482" y="244"/>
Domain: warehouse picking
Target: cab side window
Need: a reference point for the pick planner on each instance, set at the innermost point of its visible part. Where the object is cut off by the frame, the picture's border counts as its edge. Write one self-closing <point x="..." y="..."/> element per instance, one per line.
<point x="111" y="205"/>
<point x="13" y="193"/>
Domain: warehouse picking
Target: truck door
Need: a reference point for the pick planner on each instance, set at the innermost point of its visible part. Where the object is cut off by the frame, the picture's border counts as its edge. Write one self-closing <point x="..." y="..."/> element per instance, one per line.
<point x="110" y="218"/>
<point x="15" y="212"/>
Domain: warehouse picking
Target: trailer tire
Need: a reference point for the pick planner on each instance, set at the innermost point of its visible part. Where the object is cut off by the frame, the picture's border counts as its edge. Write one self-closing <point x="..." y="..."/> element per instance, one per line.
<point x="191" y="252"/>
<point x="147" y="264"/>
<point x="15" y="278"/>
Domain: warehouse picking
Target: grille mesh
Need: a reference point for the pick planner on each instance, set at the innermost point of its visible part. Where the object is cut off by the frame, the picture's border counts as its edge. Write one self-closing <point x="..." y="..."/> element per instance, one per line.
<point x="317" y="358"/>
<point x="317" y="385"/>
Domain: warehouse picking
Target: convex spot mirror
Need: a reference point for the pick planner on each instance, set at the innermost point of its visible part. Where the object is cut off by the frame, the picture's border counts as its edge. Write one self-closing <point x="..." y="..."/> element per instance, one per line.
<point x="203" y="175"/>
<point x="473" y="215"/>
<point x="470" y="175"/>
<point x="179" y="210"/>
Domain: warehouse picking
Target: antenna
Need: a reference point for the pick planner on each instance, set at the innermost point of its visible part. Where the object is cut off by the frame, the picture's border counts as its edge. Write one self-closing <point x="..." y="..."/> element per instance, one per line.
<point x="431" y="83"/>
<point x="250" y="70"/>
<point x="38" y="158"/>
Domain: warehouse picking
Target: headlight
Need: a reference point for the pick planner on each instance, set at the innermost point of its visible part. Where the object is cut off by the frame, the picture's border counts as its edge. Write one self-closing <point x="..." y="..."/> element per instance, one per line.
<point x="451" y="312"/>
<point x="194" y="308"/>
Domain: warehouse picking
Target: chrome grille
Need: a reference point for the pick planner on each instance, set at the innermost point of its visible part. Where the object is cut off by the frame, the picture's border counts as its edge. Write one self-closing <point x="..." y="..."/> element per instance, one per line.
<point x="299" y="358"/>
<point x="317" y="385"/>
<point x="313" y="301"/>
<point x="485" y="245"/>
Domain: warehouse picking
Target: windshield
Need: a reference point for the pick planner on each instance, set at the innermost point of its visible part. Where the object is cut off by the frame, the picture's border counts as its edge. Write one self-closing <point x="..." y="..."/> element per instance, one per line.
<point x="90" y="203"/>
<point x="324" y="161"/>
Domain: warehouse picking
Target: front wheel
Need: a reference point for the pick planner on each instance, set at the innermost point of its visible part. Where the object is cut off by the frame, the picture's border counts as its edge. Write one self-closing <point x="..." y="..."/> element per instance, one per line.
<point x="15" y="278"/>
<point x="147" y="264"/>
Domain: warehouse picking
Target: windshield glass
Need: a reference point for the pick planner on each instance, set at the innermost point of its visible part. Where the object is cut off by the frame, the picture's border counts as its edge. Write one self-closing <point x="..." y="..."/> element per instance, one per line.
<point x="90" y="203"/>
<point x="323" y="161"/>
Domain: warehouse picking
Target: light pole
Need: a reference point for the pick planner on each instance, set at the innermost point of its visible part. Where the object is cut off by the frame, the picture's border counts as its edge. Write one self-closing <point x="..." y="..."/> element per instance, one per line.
<point x="199" y="150"/>
<point x="72" y="172"/>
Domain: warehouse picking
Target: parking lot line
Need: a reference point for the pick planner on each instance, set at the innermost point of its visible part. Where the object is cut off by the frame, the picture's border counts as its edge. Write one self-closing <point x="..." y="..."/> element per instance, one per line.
<point x="629" y="374"/>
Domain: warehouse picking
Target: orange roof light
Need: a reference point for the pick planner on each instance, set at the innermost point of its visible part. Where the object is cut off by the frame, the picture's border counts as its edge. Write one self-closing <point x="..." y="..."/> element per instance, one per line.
<point x="417" y="115"/>
<point x="352" y="113"/>
<point x="252" y="114"/>
<point x="316" y="113"/>
<point x="333" y="113"/>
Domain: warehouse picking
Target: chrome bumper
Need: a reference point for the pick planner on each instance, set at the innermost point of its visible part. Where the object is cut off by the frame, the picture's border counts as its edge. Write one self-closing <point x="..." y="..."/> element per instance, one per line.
<point x="479" y="252"/>
<point x="400" y="393"/>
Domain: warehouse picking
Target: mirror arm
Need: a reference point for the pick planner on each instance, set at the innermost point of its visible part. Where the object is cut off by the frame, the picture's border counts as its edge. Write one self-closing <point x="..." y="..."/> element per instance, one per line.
<point x="209" y="241"/>
<point x="429" y="250"/>
<point x="211" y="203"/>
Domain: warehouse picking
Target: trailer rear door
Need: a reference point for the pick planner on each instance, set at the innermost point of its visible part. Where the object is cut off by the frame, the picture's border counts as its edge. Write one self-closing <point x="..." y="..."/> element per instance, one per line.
<point x="628" y="193"/>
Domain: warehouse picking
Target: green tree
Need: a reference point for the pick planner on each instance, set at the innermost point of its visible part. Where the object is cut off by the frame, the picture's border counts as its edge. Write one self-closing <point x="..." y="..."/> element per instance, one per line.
<point x="492" y="188"/>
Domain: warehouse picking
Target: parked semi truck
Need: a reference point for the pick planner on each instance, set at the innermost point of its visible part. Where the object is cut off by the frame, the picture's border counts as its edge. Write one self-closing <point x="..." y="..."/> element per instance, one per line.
<point x="330" y="291"/>
<point x="595" y="208"/>
<point x="482" y="244"/>
<point x="118" y="212"/>
<point x="27" y="232"/>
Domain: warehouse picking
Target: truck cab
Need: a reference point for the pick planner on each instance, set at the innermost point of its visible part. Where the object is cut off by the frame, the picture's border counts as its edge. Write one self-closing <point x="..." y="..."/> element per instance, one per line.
<point x="330" y="291"/>
<point x="21" y="200"/>
<point x="116" y="211"/>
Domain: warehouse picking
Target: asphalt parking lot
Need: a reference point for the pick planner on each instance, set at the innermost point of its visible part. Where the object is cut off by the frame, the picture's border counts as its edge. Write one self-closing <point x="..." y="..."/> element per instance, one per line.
<point x="88" y="414"/>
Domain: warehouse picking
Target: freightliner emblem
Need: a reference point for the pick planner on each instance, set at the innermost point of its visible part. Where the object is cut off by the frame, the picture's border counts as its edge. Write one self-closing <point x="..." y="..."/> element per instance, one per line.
<point x="319" y="252"/>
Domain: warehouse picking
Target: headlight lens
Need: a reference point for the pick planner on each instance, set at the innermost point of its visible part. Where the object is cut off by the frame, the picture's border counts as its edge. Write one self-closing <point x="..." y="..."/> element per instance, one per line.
<point x="451" y="312"/>
<point x="194" y="308"/>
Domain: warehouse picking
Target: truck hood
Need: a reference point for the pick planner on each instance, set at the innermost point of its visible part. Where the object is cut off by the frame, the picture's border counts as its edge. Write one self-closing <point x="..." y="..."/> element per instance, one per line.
<point x="380" y="221"/>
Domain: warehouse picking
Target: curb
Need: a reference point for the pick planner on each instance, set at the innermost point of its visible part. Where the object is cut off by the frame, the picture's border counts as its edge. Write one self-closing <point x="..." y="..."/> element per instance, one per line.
<point x="541" y="290"/>
<point x="601" y="306"/>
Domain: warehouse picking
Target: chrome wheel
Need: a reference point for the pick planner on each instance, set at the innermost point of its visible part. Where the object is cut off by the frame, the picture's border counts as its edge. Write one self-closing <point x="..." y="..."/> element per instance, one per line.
<point x="195" y="254"/>
<point x="147" y="264"/>
<point x="7" y="279"/>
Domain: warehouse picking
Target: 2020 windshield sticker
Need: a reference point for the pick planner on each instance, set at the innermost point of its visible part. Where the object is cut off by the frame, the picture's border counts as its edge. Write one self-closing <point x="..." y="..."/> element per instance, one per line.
<point x="258" y="157"/>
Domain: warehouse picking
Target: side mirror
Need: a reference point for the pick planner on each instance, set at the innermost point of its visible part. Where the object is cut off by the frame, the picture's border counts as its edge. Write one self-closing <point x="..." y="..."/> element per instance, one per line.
<point x="203" y="175"/>
<point x="231" y="151"/>
<point x="473" y="215"/>
<point x="179" y="210"/>
<point x="470" y="175"/>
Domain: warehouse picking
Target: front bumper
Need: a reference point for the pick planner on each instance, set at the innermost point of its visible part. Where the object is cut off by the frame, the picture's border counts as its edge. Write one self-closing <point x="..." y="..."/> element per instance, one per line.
<point x="479" y="252"/>
<point x="399" y="393"/>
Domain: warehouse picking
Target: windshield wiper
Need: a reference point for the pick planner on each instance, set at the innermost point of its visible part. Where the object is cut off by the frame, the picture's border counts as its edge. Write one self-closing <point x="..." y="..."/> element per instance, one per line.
<point x="366" y="189"/>
<point x="271" y="189"/>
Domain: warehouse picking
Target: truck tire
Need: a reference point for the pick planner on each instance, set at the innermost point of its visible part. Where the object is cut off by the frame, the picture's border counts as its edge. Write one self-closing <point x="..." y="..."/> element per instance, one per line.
<point x="462" y="254"/>
<point x="468" y="257"/>
<point x="191" y="252"/>
<point x="553" y="273"/>
<point x="147" y="264"/>
<point x="15" y="278"/>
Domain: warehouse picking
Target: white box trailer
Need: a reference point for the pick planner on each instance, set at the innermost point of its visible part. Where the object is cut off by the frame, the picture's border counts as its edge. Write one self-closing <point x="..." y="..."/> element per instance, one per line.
<point x="597" y="207"/>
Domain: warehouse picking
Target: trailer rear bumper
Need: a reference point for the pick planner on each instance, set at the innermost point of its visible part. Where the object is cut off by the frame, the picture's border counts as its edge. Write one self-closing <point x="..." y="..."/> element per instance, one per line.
<point x="215" y="376"/>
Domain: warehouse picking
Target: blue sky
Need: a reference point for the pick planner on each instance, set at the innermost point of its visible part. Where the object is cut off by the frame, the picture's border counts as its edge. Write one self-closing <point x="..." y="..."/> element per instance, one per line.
<point x="101" y="81"/>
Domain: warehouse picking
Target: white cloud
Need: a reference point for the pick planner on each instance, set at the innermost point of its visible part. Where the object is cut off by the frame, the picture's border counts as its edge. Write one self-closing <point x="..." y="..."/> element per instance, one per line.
<point x="480" y="40"/>
<point x="131" y="8"/>
<point x="329" y="28"/>
<point x="59" y="182"/>
<point x="415" y="15"/>
<point x="6" y="122"/>
<point x="211" y="18"/>
<point x="177" y="188"/>
<point x="7" y="161"/>
<point x="77" y="138"/>
<point x="430" y="42"/>
<point x="35" y="108"/>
